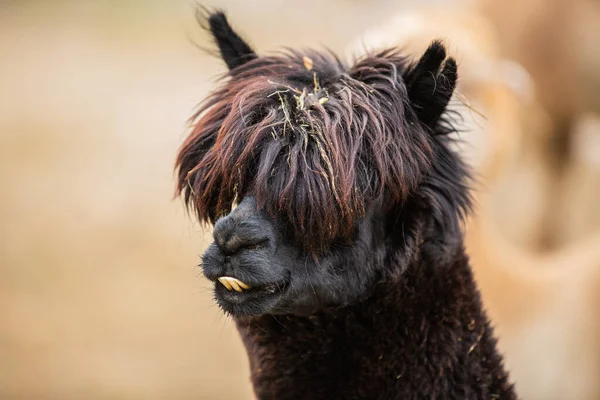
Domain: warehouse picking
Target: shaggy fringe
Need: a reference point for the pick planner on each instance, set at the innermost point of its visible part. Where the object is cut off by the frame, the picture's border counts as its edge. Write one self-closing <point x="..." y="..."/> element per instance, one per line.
<point x="317" y="142"/>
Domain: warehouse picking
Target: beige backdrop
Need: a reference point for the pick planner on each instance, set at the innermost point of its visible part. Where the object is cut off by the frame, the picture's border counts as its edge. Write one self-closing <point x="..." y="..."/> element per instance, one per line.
<point x="100" y="294"/>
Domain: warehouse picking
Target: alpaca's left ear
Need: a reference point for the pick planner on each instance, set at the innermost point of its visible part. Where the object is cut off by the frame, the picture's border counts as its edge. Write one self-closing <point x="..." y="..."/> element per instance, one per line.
<point x="431" y="83"/>
<point x="234" y="50"/>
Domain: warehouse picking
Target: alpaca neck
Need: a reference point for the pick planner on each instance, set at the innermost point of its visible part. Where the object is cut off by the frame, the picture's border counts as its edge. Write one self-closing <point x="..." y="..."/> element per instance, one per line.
<point x="423" y="335"/>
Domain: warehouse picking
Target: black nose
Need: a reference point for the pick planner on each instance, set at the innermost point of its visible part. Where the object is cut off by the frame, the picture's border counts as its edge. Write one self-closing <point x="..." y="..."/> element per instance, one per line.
<point x="233" y="234"/>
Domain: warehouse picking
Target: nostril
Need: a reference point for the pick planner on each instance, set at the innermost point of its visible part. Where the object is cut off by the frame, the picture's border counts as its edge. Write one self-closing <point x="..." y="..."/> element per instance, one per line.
<point x="234" y="234"/>
<point x="223" y="230"/>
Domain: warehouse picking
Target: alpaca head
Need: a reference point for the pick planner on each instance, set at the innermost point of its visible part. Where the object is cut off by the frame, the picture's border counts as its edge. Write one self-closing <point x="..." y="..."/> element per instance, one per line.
<point x="339" y="173"/>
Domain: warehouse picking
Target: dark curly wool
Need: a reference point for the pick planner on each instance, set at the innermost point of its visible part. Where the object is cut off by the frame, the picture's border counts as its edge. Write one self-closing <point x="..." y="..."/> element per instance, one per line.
<point x="345" y="251"/>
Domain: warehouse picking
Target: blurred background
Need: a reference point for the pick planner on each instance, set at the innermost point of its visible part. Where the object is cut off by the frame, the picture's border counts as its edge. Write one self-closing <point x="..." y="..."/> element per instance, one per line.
<point x="100" y="294"/>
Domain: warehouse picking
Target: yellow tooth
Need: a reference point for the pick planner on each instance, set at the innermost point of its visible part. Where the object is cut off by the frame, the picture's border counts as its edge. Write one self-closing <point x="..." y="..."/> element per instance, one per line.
<point x="234" y="284"/>
<point x="242" y="284"/>
<point x="225" y="282"/>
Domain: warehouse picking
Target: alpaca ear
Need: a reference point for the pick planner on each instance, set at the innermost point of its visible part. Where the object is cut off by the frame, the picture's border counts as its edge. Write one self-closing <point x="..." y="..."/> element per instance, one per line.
<point x="431" y="83"/>
<point x="234" y="50"/>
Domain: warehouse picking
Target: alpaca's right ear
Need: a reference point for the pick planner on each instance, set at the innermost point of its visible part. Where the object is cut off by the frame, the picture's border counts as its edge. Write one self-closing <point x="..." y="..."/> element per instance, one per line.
<point x="431" y="83"/>
<point x="234" y="50"/>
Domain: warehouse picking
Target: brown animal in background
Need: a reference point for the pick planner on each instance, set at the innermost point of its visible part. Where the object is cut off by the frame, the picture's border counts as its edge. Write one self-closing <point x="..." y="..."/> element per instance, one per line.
<point x="556" y="41"/>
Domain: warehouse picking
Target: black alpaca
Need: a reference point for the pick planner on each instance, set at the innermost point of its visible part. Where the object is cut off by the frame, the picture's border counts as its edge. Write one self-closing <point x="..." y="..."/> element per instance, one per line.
<point x="343" y="263"/>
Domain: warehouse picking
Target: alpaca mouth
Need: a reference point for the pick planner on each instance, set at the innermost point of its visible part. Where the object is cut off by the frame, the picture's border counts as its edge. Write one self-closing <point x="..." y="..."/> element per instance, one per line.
<point x="234" y="294"/>
<point x="231" y="283"/>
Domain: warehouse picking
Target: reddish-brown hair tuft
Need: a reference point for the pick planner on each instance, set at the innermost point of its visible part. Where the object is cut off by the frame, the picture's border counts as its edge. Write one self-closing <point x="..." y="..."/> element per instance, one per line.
<point x="316" y="146"/>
